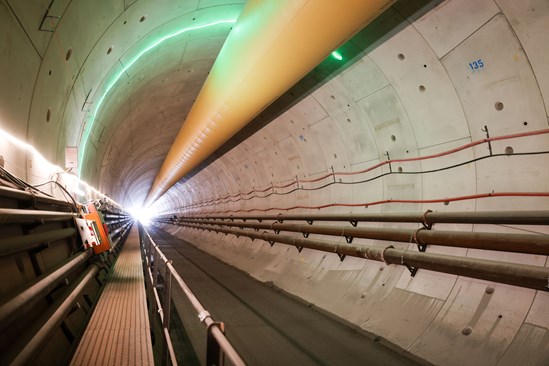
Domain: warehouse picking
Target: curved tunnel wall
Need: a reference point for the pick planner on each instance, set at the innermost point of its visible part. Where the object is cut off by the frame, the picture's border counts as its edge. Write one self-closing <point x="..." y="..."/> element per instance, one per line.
<point x="411" y="89"/>
<point x="426" y="86"/>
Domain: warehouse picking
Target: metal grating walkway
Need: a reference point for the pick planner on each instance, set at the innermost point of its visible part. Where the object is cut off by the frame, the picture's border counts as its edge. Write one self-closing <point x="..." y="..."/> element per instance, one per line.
<point x="119" y="331"/>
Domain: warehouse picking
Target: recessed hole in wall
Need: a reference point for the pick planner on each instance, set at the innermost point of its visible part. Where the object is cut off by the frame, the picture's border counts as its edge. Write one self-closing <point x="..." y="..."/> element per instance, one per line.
<point x="498" y="106"/>
<point x="525" y="123"/>
<point x="125" y="21"/>
<point x="48" y="115"/>
<point x="424" y="65"/>
<point x="509" y="150"/>
<point x="335" y="156"/>
<point x="467" y="330"/>
<point x="2" y="161"/>
<point x="446" y="203"/>
<point x="401" y="56"/>
<point x="68" y="55"/>
<point x="407" y="151"/>
<point x="393" y="138"/>
<point x="421" y="88"/>
<point x="400" y="169"/>
<point x="490" y="290"/>
<point x="142" y="18"/>
<point x="194" y="18"/>
<point x="49" y="73"/>
<point x="349" y="120"/>
<point x="500" y="316"/>
<point x="331" y="96"/>
<point x="109" y="50"/>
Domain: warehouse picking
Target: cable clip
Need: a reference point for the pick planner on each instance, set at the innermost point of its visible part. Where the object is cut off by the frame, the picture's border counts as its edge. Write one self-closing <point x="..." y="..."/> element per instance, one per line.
<point x="383" y="254"/>
<point x="203" y="315"/>
<point x="426" y="225"/>
<point x="420" y="246"/>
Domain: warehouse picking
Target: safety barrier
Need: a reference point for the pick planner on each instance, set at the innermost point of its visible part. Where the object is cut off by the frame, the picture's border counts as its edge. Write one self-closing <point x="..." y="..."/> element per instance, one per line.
<point x="218" y="346"/>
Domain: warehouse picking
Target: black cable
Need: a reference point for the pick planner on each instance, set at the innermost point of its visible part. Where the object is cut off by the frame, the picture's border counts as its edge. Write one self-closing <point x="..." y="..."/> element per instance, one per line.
<point x="220" y="201"/>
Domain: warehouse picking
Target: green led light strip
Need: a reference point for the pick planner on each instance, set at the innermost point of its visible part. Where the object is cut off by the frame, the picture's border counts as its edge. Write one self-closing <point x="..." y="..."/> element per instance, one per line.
<point x="88" y="128"/>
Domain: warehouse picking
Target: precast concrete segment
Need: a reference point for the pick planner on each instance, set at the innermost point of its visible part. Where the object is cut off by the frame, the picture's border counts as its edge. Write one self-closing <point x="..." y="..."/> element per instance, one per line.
<point x="272" y="46"/>
<point x="265" y="326"/>
<point x="118" y="332"/>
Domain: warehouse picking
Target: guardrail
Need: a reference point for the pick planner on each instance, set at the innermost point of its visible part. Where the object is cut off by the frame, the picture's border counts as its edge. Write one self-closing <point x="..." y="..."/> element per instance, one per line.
<point x="218" y="346"/>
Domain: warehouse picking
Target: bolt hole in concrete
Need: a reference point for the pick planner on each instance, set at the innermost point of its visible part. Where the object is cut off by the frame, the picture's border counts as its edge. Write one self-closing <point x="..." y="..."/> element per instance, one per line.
<point x="142" y="18"/>
<point x="49" y="73"/>
<point x="525" y="123"/>
<point x="421" y="88"/>
<point x="393" y="138"/>
<point x="446" y="203"/>
<point x="401" y="57"/>
<point x="109" y="50"/>
<point x="48" y="115"/>
<point x="498" y="106"/>
<point x="400" y="169"/>
<point x="467" y="330"/>
<point x="490" y="290"/>
<point x="68" y="55"/>
<point x="509" y="150"/>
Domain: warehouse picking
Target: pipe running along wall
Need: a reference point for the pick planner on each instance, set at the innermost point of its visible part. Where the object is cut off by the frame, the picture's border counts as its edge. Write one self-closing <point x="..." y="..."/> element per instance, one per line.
<point x="523" y="275"/>
<point x="272" y="46"/>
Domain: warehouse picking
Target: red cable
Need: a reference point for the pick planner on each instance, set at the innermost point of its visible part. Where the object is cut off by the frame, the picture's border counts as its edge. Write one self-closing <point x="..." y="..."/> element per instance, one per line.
<point x="437" y="200"/>
<point x="419" y="158"/>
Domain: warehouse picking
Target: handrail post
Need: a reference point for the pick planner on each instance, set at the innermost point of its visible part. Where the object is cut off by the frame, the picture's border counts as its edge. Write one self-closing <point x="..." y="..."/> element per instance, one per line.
<point x="167" y="310"/>
<point x="214" y="354"/>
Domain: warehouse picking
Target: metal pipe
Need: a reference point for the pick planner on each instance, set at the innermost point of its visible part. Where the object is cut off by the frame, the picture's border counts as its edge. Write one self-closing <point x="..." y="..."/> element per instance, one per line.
<point x="26" y="196"/>
<point x="23" y="301"/>
<point x="518" y="243"/>
<point x="427" y="218"/>
<point x="510" y="273"/>
<point x="274" y="44"/>
<point x="10" y="215"/>
<point x="24" y="242"/>
<point x="53" y="318"/>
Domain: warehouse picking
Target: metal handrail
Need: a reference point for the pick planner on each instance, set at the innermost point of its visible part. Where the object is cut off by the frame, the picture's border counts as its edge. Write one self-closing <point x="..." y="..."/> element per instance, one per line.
<point x="215" y="329"/>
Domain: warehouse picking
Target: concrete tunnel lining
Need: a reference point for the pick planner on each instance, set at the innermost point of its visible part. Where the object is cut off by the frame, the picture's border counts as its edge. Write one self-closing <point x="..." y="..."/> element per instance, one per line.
<point x="343" y="118"/>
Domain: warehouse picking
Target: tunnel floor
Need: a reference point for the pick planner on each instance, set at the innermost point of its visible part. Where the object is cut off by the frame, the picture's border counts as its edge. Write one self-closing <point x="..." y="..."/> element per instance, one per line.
<point x="266" y="326"/>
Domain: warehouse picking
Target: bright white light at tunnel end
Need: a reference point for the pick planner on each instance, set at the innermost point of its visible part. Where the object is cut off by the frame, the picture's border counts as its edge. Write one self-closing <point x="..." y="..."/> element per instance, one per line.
<point x="143" y="214"/>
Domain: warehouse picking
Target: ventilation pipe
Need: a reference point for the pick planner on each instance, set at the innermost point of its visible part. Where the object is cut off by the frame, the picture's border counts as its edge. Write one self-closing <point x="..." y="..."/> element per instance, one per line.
<point x="273" y="45"/>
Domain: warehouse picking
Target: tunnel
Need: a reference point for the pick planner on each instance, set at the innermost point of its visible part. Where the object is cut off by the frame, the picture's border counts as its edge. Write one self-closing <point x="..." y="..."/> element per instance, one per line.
<point x="383" y="166"/>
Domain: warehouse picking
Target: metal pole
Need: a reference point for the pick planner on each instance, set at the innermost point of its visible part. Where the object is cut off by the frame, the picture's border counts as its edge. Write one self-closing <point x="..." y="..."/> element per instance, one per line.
<point x="518" y="243"/>
<point x="53" y="318"/>
<point x="511" y="273"/>
<point x="19" y="304"/>
<point x="24" y="242"/>
<point x="26" y="196"/>
<point x="167" y="310"/>
<point x="428" y="217"/>
<point x="10" y="215"/>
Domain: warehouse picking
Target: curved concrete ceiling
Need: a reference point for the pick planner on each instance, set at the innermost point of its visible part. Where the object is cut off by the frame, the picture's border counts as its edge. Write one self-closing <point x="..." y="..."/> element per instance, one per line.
<point x="423" y="79"/>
